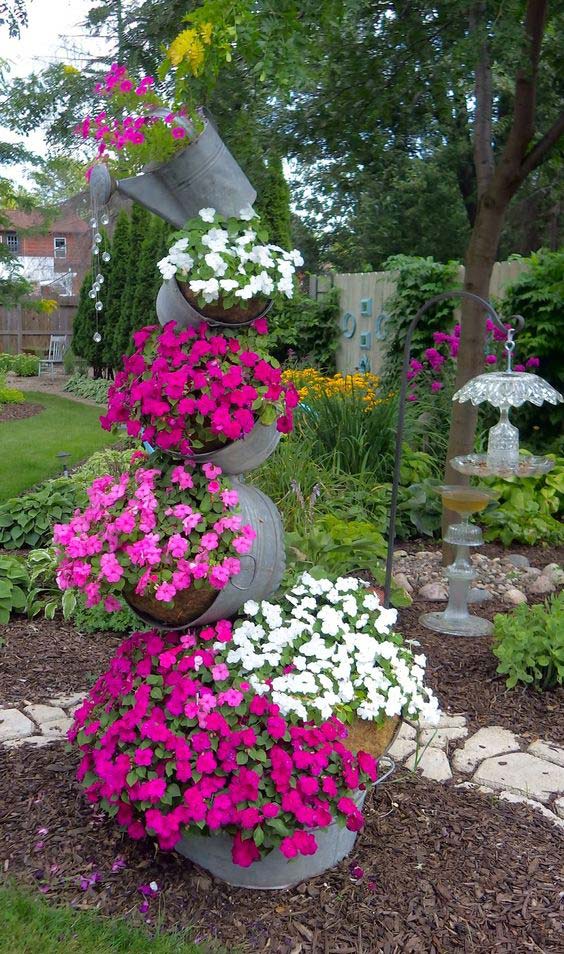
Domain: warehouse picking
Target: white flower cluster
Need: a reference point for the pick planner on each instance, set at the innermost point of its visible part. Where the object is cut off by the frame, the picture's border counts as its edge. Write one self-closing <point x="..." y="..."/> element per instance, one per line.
<point x="240" y="265"/>
<point x="329" y="645"/>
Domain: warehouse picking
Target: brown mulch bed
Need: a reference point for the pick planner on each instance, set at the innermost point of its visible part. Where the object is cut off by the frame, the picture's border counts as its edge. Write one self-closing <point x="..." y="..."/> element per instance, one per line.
<point x="462" y="672"/>
<point x="443" y="870"/>
<point x="45" y="658"/>
<point x="18" y="412"/>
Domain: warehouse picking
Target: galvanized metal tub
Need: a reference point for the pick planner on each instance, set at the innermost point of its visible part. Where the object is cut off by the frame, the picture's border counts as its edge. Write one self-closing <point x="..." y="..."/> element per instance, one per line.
<point x="261" y="569"/>
<point x="274" y="872"/>
<point x="172" y="305"/>
<point x="245" y="454"/>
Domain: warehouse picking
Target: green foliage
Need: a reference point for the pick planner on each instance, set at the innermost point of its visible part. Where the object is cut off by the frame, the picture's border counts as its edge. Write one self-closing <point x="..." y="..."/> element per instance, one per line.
<point x="109" y="461"/>
<point x="43" y="594"/>
<point x="346" y="437"/>
<point x="25" y="365"/>
<point x="27" y="521"/>
<point x="95" y="619"/>
<point x="418" y="279"/>
<point x="122" y="327"/>
<point x="529" y="642"/>
<point x="9" y="395"/>
<point x="30" y="926"/>
<point x="529" y="509"/>
<point x="96" y="389"/>
<point x="273" y="204"/>
<point x="421" y="505"/>
<point x="308" y="328"/>
<point x="117" y="281"/>
<point x="14" y="581"/>
<point x="87" y="320"/>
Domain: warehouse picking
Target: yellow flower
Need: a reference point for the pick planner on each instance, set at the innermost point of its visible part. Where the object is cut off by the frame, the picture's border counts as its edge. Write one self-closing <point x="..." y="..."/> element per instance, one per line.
<point x="187" y="46"/>
<point x="70" y="69"/>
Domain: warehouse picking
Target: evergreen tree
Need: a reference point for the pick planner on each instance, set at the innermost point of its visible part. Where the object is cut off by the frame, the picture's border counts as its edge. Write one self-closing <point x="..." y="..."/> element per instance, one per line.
<point x="87" y="320"/>
<point x="273" y="203"/>
<point x="116" y="281"/>
<point x="148" y="278"/>
<point x="123" y="325"/>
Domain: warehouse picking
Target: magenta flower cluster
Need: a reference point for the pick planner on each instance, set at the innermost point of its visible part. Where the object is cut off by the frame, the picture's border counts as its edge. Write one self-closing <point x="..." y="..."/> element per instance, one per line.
<point x="181" y="390"/>
<point x="433" y="363"/>
<point x="159" y="529"/>
<point x="130" y="119"/>
<point x="172" y="744"/>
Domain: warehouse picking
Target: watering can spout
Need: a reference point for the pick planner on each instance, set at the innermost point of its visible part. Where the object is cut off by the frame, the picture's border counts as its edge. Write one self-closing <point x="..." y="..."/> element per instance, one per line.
<point x="203" y="175"/>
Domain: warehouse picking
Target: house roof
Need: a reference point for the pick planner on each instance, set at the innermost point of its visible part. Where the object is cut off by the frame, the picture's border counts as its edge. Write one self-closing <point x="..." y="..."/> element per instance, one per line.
<point x="66" y="221"/>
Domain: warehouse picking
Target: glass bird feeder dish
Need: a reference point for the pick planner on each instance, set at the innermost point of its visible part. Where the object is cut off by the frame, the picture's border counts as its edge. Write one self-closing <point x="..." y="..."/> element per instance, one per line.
<point x="504" y="390"/>
<point x="455" y="620"/>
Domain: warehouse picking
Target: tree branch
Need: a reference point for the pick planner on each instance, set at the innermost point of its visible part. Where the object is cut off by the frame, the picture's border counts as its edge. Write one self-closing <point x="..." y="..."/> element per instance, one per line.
<point x="540" y="151"/>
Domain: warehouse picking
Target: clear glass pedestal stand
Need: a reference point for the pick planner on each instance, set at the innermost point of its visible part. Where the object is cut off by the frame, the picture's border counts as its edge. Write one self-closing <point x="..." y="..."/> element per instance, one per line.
<point x="455" y="620"/>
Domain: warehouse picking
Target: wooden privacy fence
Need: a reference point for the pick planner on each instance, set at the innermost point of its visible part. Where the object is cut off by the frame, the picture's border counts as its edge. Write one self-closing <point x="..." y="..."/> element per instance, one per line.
<point x="363" y="317"/>
<point x="24" y="330"/>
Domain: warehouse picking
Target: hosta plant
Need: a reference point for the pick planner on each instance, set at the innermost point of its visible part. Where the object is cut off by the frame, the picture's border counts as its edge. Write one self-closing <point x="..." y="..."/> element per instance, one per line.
<point x="14" y="582"/>
<point x="182" y="390"/>
<point x="529" y="643"/>
<point x="172" y="745"/>
<point x="161" y="528"/>
<point x="328" y="647"/>
<point x="27" y="521"/>
<point x="229" y="259"/>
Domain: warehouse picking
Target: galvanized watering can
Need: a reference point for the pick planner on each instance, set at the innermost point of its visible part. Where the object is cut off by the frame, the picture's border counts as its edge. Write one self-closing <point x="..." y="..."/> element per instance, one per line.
<point x="203" y="175"/>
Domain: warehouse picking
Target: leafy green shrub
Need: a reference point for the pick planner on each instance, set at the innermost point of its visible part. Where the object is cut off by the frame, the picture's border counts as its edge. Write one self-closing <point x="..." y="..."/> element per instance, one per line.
<point x="27" y="521"/>
<point x="95" y="619"/>
<point x="14" y="581"/>
<point x="94" y="389"/>
<point x="9" y="395"/>
<point x="43" y="593"/>
<point x="307" y="327"/>
<point x="420" y="505"/>
<point x="528" y="509"/>
<point x="108" y="461"/>
<point x="529" y="642"/>
<point x="25" y="365"/>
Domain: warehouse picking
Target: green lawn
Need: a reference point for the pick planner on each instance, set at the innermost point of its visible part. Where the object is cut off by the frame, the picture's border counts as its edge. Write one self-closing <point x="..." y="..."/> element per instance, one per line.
<point x="29" y="926"/>
<point x="29" y="448"/>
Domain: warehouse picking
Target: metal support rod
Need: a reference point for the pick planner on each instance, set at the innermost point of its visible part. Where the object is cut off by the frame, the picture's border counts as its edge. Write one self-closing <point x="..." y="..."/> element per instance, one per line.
<point x="488" y="307"/>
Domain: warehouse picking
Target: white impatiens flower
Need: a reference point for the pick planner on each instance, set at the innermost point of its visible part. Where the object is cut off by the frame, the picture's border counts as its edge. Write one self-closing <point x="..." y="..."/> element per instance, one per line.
<point x="247" y="213"/>
<point x="167" y="268"/>
<point x="245" y="293"/>
<point x="182" y="260"/>
<point x="216" y="262"/>
<point x="207" y="215"/>
<point x="328" y="648"/>
<point x="228" y="284"/>
<point x="216" y="240"/>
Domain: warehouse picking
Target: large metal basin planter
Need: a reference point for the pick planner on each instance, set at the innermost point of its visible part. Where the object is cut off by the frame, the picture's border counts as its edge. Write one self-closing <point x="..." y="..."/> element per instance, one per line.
<point x="245" y="454"/>
<point x="203" y="174"/>
<point x="260" y="575"/>
<point x="175" y="302"/>
<point x="275" y="872"/>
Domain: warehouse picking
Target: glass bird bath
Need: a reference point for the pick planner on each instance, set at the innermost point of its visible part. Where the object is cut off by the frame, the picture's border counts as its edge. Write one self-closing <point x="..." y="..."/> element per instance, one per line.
<point x="455" y="620"/>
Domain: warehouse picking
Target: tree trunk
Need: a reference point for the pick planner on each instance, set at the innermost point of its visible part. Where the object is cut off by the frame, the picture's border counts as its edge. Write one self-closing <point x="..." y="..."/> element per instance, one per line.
<point x="479" y="262"/>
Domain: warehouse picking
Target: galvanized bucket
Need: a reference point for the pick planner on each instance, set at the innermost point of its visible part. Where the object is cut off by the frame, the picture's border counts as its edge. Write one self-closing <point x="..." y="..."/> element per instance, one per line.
<point x="245" y="454"/>
<point x="173" y="306"/>
<point x="202" y="175"/>
<point x="261" y="569"/>
<point x="274" y="872"/>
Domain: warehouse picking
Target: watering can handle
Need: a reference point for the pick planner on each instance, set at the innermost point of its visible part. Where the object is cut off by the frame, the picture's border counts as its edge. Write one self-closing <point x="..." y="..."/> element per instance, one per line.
<point x="243" y="588"/>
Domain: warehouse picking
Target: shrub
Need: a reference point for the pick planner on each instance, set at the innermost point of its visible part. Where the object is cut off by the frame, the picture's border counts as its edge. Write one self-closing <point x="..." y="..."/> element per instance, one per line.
<point x="529" y="642"/>
<point x="108" y="462"/>
<point x="14" y="581"/>
<point x="25" y="365"/>
<point x="27" y="521"/>
<point x="305" y="329"/>
<point x="95" y="389"/>
<point x="9" y="395"/>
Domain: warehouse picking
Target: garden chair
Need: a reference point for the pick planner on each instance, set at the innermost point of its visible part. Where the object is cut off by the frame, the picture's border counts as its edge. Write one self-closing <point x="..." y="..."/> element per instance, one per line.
<point x="57" y="347"/>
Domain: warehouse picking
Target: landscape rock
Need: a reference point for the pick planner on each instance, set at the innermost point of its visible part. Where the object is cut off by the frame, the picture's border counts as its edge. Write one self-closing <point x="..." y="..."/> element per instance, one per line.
<point x="439" y="737"/>
<point x="555" y="573"/>
<point x="14" y="725"/>
<point x="41" y="714"/>
<point x="517" y="559"/>
<point x="57" y="728"/>
<point x="522" y="773"/>
<point x="69" y="701"/>
<point x="522" y="800"/>
<point x="542" y="584"/>
<point x="400" y="554"/>
<point x="433" y="592"/>
<point x="432" y="763"/>
<point x="532" y="573"/>
<point x="38" y="741"/>
<point x="485" y="743"/>
<point x="400" y="579"/>
<point x="478" y="594"/>
<point x="401" y="748"/>
<point x="513" y="596"/>
<point x="558" y="806"/>
<point x="548" y="751"/>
